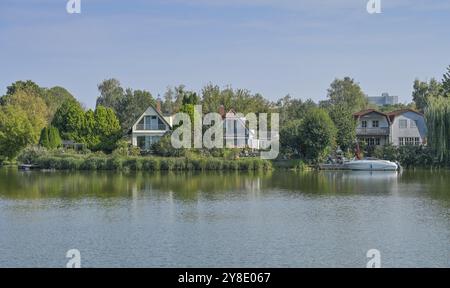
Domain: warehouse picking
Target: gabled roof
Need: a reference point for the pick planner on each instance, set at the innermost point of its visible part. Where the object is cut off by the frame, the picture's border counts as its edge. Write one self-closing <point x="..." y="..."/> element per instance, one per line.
<point x="231" y="114"/>
<point x="368" y="111"/>
<point x="395" y="113"/>
<point x="157" y="112"/>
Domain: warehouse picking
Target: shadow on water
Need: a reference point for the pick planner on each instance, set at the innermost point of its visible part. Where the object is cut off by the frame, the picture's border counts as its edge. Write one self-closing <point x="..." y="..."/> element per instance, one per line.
<point x="187" y="186"/>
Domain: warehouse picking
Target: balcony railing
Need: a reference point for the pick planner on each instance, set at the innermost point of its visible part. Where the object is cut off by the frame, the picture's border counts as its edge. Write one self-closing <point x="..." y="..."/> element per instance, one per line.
<point x="372" y="131"/>
<point x="142" y="127"/>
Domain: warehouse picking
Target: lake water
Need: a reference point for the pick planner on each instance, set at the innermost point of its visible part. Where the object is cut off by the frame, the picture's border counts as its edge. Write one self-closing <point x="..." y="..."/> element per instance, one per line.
<point x="277" y="219"/>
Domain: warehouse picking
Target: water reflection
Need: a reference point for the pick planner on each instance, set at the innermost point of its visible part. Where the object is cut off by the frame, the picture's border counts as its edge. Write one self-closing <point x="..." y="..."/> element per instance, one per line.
<point x="281" y="219"/>
<point x="215" y="185"/>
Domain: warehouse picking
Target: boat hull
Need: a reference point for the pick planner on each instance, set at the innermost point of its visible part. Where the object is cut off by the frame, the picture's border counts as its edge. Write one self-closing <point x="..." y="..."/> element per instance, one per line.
<point x="371" y="165"/>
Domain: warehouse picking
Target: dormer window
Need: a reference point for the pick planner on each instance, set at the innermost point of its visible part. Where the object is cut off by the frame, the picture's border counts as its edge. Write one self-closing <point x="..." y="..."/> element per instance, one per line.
<point x="375" y="124"/>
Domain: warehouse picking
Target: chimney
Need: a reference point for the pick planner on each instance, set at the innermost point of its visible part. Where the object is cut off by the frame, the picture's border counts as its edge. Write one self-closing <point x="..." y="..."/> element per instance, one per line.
<point x="158" y="104"/>
<point x="222" y="111"/>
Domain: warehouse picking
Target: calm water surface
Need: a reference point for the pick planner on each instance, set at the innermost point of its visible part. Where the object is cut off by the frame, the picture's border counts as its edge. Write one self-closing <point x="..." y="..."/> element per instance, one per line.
<point x="278" y="219"/>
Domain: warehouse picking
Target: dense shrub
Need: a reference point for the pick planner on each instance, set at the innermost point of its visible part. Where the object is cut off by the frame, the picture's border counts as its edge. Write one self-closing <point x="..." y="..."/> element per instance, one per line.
<point x="94" y="163"/>
<point x="167" y="164"/>
<point x="214" y="164"/>
<point x="133" y="164"/>
<point x="408" y="156"/>
<point x="64" y="160"/>
<point x="70" y="163"/>
<point x="231" y="165"/>
<point x="114" y="163"/>
<point x="150" y="164"/>
<point x="28" y="154"/>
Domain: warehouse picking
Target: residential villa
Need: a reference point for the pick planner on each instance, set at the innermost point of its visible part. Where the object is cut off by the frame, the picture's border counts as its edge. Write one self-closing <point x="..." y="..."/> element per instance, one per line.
<point x="152" y="125"/>
<point x="400" y="127"/>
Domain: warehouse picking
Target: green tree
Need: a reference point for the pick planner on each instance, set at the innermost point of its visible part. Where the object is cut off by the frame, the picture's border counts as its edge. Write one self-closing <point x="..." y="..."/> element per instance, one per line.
<point x="179" y="92"/>
<point x="50" y="138"/>
<point x="422" y="91"/>
<point x="343" y="119"/>
<point x="111" y="94"/>
<point x="107" y="129"/>
<point x="28" y="87"/>
<point x="437" y="114"/>
<point x="290" y="109"/>
<point x="99" y="129"/>
<point x="317" y="134"/>
<point x="346" y="92"/>
<point x="132" y="106"/>
<point x="446" y="82"/>
<point x="70" y="121"/>
<point x="190" y="98"/>
<point x="213" y="97"/>
<point x="241" y="100"/>
<point x="168" y="104"/>
<point x="16" y="131"/>
<point x="290" y="137"/>
<point x="35" y="107"/>
<point x="55" y="97"/>
<point x="344" y="98"/>
<point x="43" y="139"/>
<point x="54" y="137"/>
<point x="31" y="94"/>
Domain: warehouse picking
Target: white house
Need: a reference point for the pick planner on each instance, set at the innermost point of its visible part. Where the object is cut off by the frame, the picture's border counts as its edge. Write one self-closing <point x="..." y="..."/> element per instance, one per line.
<point x="372" y="127"/>
<point x="149" y="128"/>
<point x="152" y="125"/>
<point x="400" y="127"/>
<point x="236" y="132"/>
<point x="408" y="127"/>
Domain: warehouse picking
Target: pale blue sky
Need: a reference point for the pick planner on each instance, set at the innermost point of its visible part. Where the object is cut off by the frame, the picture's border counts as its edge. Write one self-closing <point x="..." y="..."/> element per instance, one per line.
<point x="273" y="47"/>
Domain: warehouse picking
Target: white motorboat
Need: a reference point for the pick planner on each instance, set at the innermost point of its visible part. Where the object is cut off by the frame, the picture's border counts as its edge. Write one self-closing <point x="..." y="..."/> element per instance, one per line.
<point x="371" y="165"/>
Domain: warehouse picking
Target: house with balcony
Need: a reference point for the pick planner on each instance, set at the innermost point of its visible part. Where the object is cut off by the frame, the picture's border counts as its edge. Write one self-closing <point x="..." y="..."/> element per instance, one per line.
<point x="149" y="128"/>
<point x="400" y="127"/>
<point x="372" y="127"/>
<point x="152" y="125"/>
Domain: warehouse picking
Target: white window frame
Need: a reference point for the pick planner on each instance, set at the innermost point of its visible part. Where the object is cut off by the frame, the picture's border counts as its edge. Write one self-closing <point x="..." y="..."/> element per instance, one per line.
<point x="402" y="121"/>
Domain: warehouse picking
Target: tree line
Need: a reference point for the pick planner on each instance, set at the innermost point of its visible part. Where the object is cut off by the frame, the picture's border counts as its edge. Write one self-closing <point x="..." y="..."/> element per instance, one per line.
<point x="30" y="115"/>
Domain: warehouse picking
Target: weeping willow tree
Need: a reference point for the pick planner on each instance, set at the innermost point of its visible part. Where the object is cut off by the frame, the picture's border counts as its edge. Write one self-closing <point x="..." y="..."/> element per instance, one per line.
<point x="437" y="113"/>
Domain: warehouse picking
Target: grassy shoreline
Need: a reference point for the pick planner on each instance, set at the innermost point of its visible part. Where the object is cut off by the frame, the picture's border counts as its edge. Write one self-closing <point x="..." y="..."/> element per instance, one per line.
<point x="148" y="163"/>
